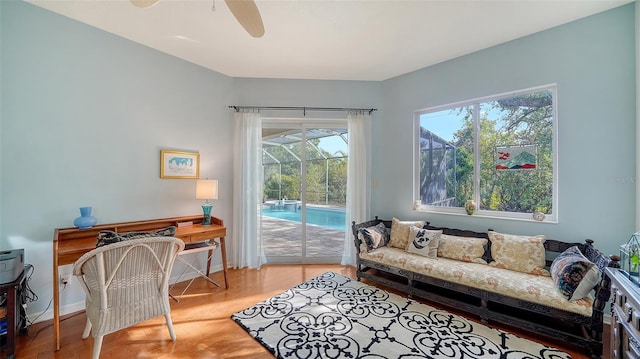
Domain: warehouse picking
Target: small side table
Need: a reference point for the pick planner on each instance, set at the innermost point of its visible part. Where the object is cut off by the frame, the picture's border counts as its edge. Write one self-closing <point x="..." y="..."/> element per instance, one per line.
<point x="11" y="289"/>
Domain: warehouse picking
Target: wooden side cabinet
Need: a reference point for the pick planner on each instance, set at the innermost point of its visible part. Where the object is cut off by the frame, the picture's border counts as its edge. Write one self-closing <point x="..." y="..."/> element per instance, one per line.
<point x="625" y="316"/>
<point x="11" y="290"/>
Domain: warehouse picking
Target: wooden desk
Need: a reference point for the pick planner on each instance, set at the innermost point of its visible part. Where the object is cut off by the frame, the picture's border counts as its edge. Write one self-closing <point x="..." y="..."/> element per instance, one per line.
<point x="199" y="233"/>
<point x="69" y="244"/>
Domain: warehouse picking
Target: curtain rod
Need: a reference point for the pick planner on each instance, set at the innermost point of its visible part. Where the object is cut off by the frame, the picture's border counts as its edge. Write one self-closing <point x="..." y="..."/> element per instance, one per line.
<point x="304" y="109"/>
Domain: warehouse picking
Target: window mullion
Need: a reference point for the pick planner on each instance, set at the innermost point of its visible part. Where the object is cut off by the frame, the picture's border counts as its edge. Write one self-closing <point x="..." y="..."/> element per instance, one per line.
<point x="476" y="154"/>
<point x="303" y="190"/>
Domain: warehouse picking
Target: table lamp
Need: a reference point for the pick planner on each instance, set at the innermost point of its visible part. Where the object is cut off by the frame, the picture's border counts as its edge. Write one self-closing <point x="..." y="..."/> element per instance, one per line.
<point x="207" y="189"/>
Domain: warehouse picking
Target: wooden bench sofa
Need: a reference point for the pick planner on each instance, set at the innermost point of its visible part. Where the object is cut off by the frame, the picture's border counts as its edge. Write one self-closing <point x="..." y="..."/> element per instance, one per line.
<point x="582" y="330"/>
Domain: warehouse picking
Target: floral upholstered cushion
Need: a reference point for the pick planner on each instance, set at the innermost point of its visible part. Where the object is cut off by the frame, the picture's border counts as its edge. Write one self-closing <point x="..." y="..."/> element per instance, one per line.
<point x="375" y="236"/>
<point x="519" y="253"/>
<point x="400" y="232"/>
<point x="574" y="275"/>
<point x="467" y="249"/>
<point x="532" y="288"/>
<point x="423" y="241"/>
<point x="109" y="237"/>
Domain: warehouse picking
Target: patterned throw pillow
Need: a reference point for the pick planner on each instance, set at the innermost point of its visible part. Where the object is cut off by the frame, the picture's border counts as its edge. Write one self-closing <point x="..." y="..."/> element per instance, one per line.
<point x="467" y="249"/>
<point x="375" y="237"/>
<point x="110" y="237"/>
<point x="519" y="253"/>
<point x="423" y="242"/>
<point x="400" y="232"/>
<point x="574" y="275"/>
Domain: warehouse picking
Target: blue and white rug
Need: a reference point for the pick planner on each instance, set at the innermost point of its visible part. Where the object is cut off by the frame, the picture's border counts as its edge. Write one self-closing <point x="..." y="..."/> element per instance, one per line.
<point x="332" y="316"/>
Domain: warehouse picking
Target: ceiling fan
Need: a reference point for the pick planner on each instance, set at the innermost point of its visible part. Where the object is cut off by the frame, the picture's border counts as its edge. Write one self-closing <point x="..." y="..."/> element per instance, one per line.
<point x="245" y="11"/>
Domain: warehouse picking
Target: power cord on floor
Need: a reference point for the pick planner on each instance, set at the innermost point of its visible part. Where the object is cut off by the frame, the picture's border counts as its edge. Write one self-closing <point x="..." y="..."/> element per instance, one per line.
<point x="26" y="295"/>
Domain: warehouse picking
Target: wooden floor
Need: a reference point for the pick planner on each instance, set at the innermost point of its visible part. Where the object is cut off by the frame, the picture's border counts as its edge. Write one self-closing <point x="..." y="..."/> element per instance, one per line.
<point x="201" y="320"/>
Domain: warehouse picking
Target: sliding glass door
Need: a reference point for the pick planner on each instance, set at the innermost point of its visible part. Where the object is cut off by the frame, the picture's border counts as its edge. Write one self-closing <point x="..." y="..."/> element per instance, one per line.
<point x="305" y="179"/>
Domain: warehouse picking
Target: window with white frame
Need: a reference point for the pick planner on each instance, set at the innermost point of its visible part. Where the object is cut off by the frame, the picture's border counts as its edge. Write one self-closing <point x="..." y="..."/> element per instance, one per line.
<point x="497" y="153"/>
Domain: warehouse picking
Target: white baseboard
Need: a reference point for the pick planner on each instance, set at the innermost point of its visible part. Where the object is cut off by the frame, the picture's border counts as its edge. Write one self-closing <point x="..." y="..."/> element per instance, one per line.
<point x="80" y="305"/>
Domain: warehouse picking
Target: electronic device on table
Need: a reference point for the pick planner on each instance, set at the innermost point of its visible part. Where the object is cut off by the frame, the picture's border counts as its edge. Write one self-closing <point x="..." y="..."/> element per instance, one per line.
<point x="11" y="265"/>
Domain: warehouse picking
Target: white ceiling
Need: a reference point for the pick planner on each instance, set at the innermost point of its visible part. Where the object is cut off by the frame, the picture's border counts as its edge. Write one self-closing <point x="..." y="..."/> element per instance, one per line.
<point x="327" y="39"/>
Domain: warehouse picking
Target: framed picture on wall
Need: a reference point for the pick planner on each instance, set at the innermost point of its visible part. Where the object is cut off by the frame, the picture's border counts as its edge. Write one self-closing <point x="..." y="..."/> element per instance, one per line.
<point x="174" y="164"/>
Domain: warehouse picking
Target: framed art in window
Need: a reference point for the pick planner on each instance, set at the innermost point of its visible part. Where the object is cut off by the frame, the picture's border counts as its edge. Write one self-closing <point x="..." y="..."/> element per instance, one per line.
<point x="174" y="164"/>
<point x="516" y="157"/>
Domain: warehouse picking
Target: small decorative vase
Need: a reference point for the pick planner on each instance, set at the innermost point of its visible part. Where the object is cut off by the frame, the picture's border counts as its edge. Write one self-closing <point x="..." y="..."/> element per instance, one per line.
<point x="86" y="220"/>
<point x="470" y="207"/>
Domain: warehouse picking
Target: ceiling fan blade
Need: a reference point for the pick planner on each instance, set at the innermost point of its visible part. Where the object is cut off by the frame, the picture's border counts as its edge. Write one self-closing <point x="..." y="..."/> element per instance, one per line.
<point x="144" y="3"/>
<point x="247" y="14"/>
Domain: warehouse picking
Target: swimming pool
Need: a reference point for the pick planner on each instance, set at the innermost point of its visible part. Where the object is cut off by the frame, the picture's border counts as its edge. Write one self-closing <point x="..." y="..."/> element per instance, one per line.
<point x="326" y="217"/>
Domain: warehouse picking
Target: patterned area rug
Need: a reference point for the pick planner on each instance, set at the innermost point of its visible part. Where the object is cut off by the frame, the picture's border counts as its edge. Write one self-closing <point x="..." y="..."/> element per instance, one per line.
<point x="332" y="316"/>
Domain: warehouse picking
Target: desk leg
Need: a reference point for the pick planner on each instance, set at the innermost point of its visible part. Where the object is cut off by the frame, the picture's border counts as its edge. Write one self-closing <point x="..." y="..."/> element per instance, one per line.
<point x="209" y="262"/>
<point x="223" y="253"/>
<point x="56" y="299"/>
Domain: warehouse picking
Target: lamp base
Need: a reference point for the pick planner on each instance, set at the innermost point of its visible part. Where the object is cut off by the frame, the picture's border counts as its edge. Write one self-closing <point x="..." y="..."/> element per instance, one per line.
<point x="206" y="210"/>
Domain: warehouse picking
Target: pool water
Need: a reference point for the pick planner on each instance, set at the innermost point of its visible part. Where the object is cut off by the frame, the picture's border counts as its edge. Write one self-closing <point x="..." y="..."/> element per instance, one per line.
<point x="326" y="217"/>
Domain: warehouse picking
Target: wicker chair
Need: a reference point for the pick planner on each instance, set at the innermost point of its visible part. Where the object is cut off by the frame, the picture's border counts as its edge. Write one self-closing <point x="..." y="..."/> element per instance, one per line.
<point x="126" y="283"/>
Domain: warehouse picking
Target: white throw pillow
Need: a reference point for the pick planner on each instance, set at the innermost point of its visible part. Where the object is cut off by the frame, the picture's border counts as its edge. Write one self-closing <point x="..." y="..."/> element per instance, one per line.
<point x="423" y="241"/>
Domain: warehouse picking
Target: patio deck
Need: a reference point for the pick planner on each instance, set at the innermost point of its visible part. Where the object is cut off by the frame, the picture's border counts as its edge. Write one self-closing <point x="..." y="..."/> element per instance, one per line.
<point x="282" y="238"/>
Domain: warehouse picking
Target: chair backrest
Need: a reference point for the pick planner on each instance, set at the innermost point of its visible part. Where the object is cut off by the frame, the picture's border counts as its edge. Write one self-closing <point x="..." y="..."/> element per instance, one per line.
<point x="128" y="271"/>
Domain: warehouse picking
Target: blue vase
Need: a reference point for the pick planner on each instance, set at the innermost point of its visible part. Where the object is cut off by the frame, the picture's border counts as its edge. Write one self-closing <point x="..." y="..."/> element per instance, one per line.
<point x="86" y="220"/>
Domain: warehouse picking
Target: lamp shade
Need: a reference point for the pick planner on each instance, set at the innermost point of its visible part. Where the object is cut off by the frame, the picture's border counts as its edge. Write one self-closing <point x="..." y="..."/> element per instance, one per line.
<point x="207" y="189"/>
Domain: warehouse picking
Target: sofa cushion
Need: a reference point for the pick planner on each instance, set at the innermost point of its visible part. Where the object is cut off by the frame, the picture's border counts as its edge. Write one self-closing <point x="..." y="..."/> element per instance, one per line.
<point x="400" y="232"/>
<point x="109" y="237"/>
<point x="574" y="275"/>
<point x="423" y="241"/>
<point x="519" y="253"/>
<point x="532" y="288"/>
<point x="467" y="249"/>
<point x="375" y="236"/>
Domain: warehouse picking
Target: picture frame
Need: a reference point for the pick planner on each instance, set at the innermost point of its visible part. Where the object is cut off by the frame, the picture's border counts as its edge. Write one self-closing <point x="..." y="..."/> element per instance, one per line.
<point x="516" y="157"/>
<point x="180" y="165"/>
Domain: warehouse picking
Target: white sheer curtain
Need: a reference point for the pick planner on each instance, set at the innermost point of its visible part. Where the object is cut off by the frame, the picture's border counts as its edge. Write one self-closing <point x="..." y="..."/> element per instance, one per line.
<point x="358" y="178"/>
<point x="247" y="191"/>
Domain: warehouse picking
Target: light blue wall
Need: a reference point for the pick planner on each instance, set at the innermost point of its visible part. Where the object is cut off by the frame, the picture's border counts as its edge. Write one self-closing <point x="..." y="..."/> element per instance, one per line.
<point x="306" y="93"/>
<point x="276" y="92"/>
<point x="593" y="63"/>
<point x="84" y="115"/>
<point x="1" y="111"/>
